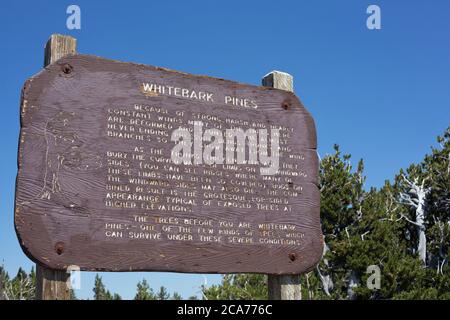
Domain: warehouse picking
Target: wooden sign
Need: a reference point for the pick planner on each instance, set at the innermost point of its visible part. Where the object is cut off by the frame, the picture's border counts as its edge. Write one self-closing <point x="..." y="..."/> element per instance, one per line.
<point x="98" y="186"/>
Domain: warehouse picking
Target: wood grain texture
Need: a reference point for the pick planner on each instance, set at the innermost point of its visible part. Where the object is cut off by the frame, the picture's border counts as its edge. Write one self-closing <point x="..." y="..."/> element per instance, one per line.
<point x="52" y="284"/>
<point x="59" y="46"/>
<point x="61" y="210"/>
<point x="282" y="287"/>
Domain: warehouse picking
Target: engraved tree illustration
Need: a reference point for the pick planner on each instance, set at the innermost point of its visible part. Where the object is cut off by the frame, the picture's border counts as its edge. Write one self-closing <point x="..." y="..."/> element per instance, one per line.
<point x="64" y="151"/>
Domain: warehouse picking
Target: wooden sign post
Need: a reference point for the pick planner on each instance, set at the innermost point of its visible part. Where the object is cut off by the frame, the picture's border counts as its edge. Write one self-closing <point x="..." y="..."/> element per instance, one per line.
<point x="130" y="167"/>
<point x="51" y="284"/>
<point x="282" y="287"/>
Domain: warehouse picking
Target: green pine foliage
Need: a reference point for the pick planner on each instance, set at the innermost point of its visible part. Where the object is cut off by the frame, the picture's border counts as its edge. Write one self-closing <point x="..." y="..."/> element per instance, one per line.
<point x="238" y="286"/>
<point x="176" y="296"/>
<point x="21" y="287"/>
<point x="100" y="291"/>
<point x="162" y="294"/>
<point x="144" y="292"/>
<point x="374" y="227"/>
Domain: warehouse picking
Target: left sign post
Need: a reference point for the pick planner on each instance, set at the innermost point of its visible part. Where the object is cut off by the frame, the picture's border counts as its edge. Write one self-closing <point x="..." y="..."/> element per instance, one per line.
<point x="52" y="284"/>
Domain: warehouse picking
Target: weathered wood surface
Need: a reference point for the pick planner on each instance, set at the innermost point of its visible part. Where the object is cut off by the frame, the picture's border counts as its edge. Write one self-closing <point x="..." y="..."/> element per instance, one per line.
<point x="62" y="217"/>
<point x="52" y="284"/>
<point x="59" y="46"/>
<point x="282" y="287"/>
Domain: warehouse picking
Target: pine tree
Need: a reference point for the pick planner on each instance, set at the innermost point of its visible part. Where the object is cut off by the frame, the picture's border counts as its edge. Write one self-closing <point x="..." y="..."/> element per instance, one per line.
<point x="22" y="286"/>
<point x="4" y="281"/>
<point x="162" y="294"/>
<point x="100" y="292"/>
<point x="144" y="292"/>
<point x="238" y="287"/>
<point x="176" y="296"/>
<point x="99" y="289"/>
<point x="424" y="193"/>
<point x="116" y="296"/>
<point x="342" y="195"/>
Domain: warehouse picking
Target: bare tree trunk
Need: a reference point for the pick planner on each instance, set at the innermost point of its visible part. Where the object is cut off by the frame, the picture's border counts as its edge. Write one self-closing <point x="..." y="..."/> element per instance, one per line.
<point x="327" y="281"/>
<point x="420" y="219"/>
<point x="416" y="198"/>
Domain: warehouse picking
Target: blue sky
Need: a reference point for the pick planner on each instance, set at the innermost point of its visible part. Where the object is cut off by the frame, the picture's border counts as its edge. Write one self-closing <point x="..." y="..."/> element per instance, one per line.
<point x="383" y="95"/>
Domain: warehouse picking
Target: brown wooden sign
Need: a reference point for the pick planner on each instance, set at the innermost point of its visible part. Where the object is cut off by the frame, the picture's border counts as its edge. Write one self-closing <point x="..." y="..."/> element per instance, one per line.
<point x="98" y="186"/>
